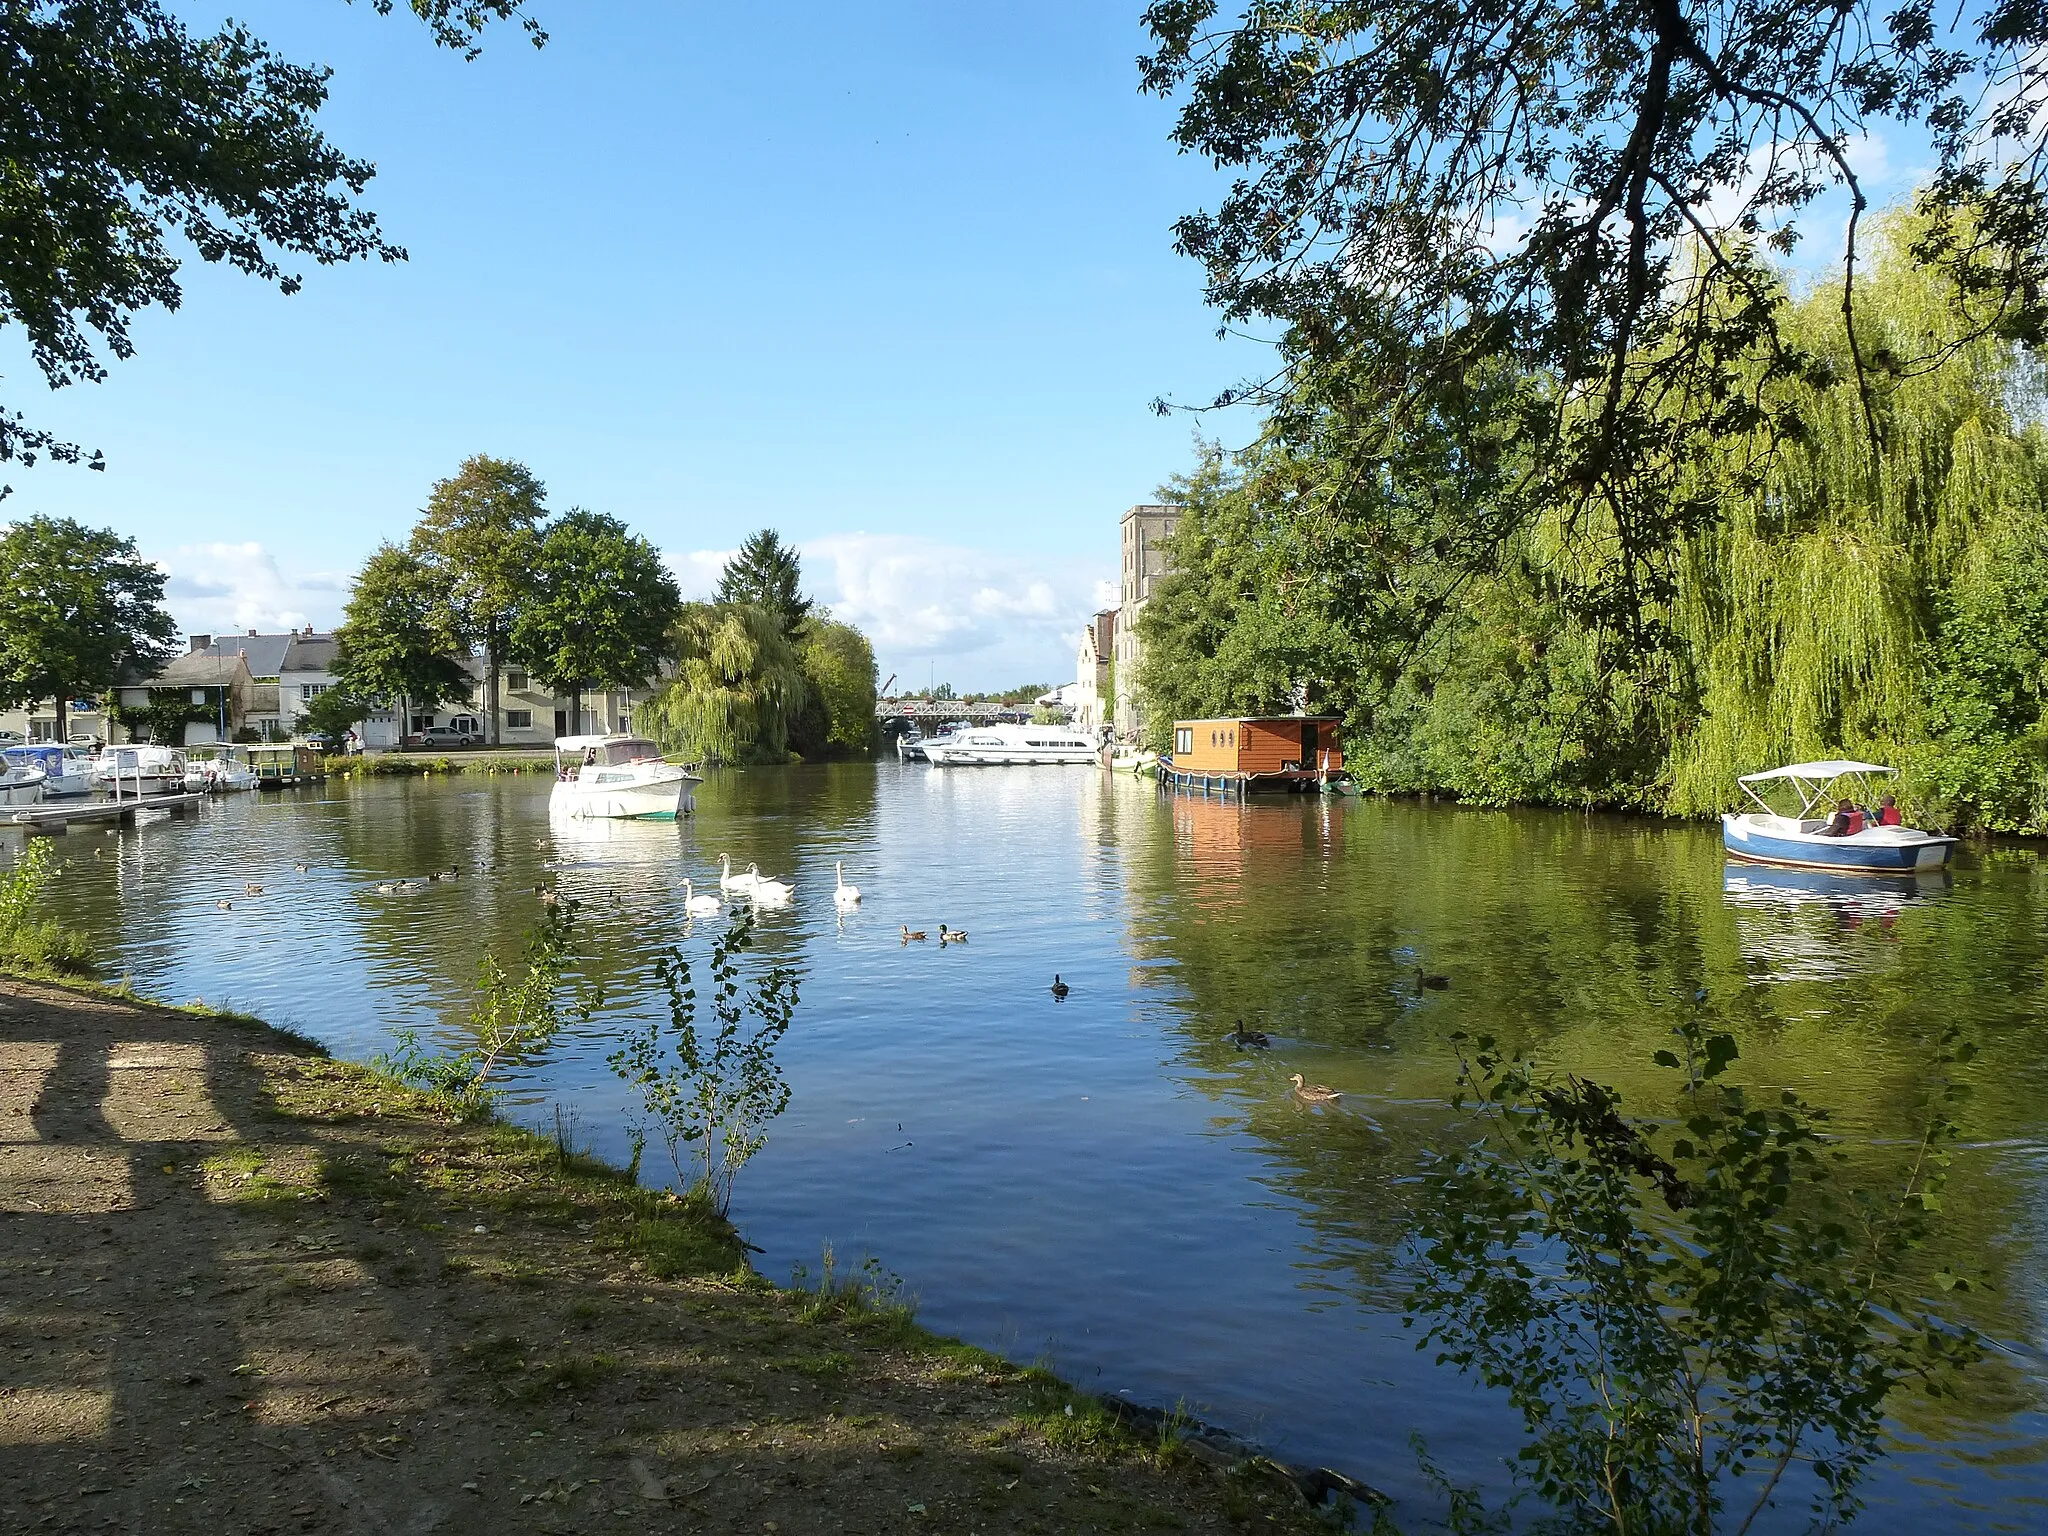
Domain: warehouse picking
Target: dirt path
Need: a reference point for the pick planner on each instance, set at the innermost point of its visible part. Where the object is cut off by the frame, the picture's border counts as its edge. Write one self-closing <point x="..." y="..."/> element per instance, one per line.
<point x="247" y="1289"/>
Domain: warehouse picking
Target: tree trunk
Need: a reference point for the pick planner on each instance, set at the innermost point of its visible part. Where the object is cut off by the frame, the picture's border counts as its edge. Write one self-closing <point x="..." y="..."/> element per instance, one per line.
<point x="62" y="734"/>
<point x="491" y="688"/>
<point x="576" y="709"/>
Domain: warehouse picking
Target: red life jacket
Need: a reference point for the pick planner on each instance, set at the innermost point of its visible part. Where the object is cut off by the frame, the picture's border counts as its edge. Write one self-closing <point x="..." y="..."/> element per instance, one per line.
<point x="1855" y="823"/>
<point x="1888" y="816"/>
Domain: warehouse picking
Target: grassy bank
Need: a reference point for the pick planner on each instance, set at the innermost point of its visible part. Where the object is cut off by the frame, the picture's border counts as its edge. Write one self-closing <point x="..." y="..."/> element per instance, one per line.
<point x="258" y="1286"/>
<point x="410" y="764"/>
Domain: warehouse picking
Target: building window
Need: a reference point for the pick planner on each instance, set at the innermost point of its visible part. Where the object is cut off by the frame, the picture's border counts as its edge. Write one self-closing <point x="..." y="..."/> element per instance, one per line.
<point x="518" y="719"/>
<point x="313" y="690"/>
<point x="515" y="681"/>
<point x="422" y="722"/>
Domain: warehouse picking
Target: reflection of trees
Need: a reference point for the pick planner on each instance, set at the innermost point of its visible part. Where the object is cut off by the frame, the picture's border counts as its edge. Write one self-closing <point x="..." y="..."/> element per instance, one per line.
<point x="1579" y="939"/>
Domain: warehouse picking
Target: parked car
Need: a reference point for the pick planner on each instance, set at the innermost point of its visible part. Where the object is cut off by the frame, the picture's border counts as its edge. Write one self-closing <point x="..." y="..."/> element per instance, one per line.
<point x="10" y="738"/>
<point x="447" y="736"/>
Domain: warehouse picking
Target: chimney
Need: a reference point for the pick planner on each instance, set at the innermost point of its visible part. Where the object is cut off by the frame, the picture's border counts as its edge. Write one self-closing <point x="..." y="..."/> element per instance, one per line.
<point x="199" y="643"/>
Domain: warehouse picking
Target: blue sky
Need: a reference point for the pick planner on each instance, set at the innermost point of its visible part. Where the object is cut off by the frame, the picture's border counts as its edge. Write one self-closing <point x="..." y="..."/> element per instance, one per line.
<point x="895" y="279"/>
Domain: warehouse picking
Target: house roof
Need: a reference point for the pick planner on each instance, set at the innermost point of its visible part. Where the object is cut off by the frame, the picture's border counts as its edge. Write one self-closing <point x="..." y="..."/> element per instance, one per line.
<point x="202" y="669"/>
<point x="265" y="652"/>
<point x="311" y="653"/>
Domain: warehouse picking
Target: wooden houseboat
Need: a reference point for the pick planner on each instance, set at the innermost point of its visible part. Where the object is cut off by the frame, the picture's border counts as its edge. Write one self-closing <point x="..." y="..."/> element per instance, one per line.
<point x="1248" y="754"/>
<point x="281" y="766"/>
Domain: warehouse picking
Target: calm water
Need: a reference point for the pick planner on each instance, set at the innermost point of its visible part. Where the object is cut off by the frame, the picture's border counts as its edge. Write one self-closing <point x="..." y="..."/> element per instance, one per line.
<point x="1105" y="1183"/>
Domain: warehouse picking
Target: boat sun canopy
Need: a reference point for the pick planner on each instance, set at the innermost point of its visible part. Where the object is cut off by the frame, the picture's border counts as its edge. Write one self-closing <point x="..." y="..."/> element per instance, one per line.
<point x="1811" y="780"/>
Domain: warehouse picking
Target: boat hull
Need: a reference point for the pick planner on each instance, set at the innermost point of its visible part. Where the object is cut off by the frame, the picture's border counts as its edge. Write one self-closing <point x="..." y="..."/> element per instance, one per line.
<point x="1876" y="851"/>
<point x="659" y="798"/>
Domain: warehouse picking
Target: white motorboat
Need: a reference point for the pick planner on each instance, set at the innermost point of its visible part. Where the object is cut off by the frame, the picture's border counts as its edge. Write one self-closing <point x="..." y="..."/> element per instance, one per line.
<point x="20" y="785"/>
<point x="991" y="745"/>
<point x="220" y="771"/>
<point x="618" y="777"/>
<point x="128" y="771"/>
<point x="65" y="772"/>
<point x="1803" y="840"/>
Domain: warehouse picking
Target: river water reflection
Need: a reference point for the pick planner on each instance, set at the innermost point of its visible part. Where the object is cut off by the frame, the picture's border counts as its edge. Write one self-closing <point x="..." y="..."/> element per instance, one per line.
<point x="1105" y="1182"/>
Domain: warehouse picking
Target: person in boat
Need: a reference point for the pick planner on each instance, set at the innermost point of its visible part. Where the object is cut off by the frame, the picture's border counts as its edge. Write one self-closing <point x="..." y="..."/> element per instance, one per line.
<point x="1846" y="822"/>
<point x="1887" y="811"/>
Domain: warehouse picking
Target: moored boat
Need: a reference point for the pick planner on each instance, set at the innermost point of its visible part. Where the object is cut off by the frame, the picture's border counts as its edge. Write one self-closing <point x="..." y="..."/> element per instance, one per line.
<point x="619" y="777"/>
<point x="66" y="773"/>
<point x="1764" y="836"/>
<point x="126" y="771"/>
<point x="20" y="785"/>
<point x="992" y="745"/>
<point x="220" y="770"/>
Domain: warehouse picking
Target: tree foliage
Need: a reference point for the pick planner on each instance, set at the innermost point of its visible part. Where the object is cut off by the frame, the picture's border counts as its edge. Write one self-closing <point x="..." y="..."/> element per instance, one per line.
<point x="738" y="684"/>
<point x="1587" y="190"/>
<point x="396" y="639"/>
<point x="127" y="136"/>
<point x="1683" y="1315"/>
<point x="77" y="606"/>
<point x="769" y="574"/>
<point x="839" y="671"/>
<point x="597" y="609"/>
<point x="1882" y="606"/>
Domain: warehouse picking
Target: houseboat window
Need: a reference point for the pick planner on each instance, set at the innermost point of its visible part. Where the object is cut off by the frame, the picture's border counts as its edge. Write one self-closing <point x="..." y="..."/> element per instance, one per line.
<point x="519" y="719"/>
<point x="1233" y="738"/>
<point x="1184" y="741"/>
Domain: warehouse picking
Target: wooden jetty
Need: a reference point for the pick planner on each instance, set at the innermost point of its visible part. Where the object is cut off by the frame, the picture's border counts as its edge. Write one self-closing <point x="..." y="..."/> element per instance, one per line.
<point x="56" y="818"/>
<point x="1247" y="754"/>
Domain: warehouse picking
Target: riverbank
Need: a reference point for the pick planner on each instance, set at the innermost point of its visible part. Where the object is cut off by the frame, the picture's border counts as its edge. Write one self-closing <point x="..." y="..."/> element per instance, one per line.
<point x="251" y="1287"/>
<point x="406" y="764"/>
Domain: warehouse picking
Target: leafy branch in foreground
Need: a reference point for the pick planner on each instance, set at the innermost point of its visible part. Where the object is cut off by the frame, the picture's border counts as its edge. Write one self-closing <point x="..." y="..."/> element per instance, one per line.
<point x="714" y="1089"/>
<point x="26" y="941"/>
<point x="1684" y="1316"/>
<point x="512" y="1017"/>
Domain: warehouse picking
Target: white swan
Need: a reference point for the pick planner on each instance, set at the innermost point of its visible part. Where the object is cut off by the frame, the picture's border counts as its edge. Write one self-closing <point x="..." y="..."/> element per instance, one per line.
<point x="844" y="895"/>
<point x="699" y="906"/>
<point x="728" y="881"/>
<point x="769" y="893"/>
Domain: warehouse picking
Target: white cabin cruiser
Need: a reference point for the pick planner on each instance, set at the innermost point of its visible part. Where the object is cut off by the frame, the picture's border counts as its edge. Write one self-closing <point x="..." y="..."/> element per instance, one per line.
<point x="128" y="771"/>
<point x="1004" y="744"/>
<point x="20" y="785"/>
<point x="220" y="771"/>
<point x="618" y="776"/>
<point x="66" y="772"/>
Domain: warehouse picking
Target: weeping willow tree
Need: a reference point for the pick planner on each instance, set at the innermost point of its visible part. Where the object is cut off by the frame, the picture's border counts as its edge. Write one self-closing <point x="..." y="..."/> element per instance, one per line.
<point x="1877" y="585"/>
<point x="1861" y="598"/>
<point x="738" y="684"/>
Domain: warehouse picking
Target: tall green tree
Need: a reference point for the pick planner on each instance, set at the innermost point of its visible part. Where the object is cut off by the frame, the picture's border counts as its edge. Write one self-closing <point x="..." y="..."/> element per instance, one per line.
<point x="129" y="138"/>
<point x="480" y="535"/>
<point x="738" y="683"/>
<point x="397" y="640"/>
<point x="839" y="667"/>
<point x="77" y="604"/>
<point x="1594" y="190"/>
<point x="599" y="609"/>
<point x="769" y="574"/>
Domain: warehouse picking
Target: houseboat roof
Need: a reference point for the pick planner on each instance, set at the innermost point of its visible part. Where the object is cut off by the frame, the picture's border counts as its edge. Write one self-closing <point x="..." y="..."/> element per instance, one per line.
<point x="1261" y="720"/>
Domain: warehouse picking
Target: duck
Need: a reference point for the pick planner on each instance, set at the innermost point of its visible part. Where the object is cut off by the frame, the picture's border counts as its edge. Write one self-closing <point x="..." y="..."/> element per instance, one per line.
<point x="252" y="889"/>
<point x="1059" y="988"/>
<point x="913" y="935"/>
<point x="302" y="868"/>
<point x="1434" y="983"/>
<point x="728" y="881"/>
<point x="549" y="896"/>
<point x="540" y="842"/>
<point x="699" y="906"/>
<point x="450" y="873"/>
<point x="225" y="905"/>
<point x="844" y="895"/>
<point x="387" y="888"/>
<point x="952" y="935"/>
<point x="769" y="893"/>
<point x="1248" y="1039"/>
<point x="1313" y="1093"/>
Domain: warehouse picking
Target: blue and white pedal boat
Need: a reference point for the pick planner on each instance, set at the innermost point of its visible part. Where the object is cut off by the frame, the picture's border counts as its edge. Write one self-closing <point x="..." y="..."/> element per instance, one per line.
<point x="1763" y="836"/>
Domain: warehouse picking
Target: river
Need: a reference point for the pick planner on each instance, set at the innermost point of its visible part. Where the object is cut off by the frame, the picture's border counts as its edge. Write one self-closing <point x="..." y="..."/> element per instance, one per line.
<point x="1104" y="1182"/>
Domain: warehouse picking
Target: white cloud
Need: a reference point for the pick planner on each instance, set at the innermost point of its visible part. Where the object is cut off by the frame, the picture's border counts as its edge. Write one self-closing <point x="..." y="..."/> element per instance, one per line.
<point x="222" y="588"/>
<point x="972" y="617"/>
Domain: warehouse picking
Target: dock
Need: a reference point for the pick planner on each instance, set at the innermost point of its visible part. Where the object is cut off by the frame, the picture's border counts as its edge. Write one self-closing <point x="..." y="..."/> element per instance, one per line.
<point x="55" y="819"/>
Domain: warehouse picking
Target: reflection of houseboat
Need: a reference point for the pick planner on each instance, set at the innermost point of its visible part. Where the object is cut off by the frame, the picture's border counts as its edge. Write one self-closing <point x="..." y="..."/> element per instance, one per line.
<point x="65" y="773"/>
<point x="281" y="766"/>
<point x="126" y="771"/>
<point x="618" y="776"/>
<point x="1011" y="745"/>
<point x="1763" y="836"/>
<point x="219" y="770"/>
<point x="1238" y="756"/>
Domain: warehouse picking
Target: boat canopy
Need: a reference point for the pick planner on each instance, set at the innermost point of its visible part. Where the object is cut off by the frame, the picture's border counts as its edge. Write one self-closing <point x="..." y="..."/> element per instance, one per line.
<point x="1814" y="773"/>
<point x="37" y="754"/>
<point x="610" y="749"/>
